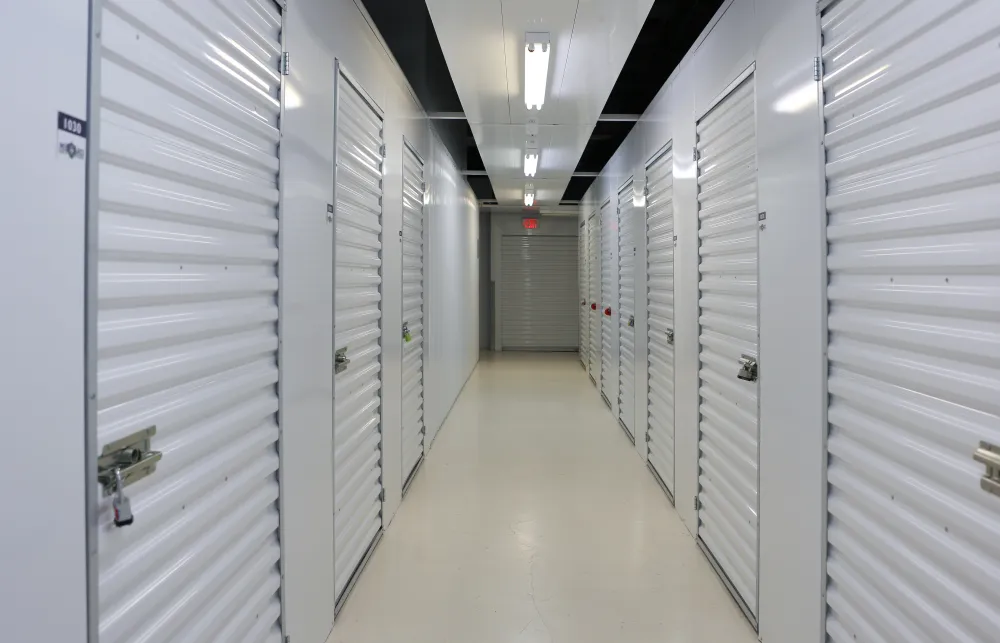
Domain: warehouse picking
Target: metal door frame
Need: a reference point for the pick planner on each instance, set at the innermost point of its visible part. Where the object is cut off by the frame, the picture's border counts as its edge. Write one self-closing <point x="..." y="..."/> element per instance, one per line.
<point x="586" y="266"/>
<point x="340" y="71"/>
<point x="411" y="475"/>
<point x="748" y="73"/>
<point x="620" y="221"/>
<point x="600" y="253"/>
<point x="595" y="215"/>
<point x="92" y="209"/>
<point x="660" y="153"/>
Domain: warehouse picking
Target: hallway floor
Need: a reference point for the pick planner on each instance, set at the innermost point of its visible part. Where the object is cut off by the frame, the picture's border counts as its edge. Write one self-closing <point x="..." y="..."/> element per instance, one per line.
<point x="534" y="520"/>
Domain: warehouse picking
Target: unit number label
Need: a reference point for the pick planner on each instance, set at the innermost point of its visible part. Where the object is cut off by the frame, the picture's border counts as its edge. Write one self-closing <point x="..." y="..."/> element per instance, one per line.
<point x="72" y="125"/>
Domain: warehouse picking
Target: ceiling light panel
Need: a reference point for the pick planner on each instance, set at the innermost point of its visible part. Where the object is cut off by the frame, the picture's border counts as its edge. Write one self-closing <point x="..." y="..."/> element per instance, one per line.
<point x="536" y="69"/>
<point x="530" y="163"/>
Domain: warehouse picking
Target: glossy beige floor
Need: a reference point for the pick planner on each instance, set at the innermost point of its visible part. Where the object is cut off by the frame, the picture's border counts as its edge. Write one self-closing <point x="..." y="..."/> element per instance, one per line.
<point x="534" y="520"/>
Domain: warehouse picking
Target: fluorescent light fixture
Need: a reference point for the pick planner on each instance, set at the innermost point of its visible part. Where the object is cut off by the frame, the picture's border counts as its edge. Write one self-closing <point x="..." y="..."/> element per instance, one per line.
<point x="529" y="195"/>
<point x="536" y="68"/>
<point x="530" y="162"/>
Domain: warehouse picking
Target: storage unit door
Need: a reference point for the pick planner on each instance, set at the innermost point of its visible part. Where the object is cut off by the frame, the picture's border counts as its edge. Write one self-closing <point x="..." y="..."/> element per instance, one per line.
<point x="626" y="310"/>
<point x="912" y="113"/>
<point x="413" y="312"/>
<point x="660" y="315"/>
<point x="187" y="318"/>
<point x="609" y="329"/>
<point x="594" y="297"/>
<point x="728" y="339"/>
<point x="538" y="293"/>
<point x="357" y="432"/>
<point x="583" y="287"/>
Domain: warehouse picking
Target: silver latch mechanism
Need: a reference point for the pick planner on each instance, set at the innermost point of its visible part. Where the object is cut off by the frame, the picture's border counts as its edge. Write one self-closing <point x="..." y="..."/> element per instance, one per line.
<point x="631" y="321"/>
<point x="989" y="454"/>
<point x="748" y="368"/>
<point x="340" y="365"/>
<point x="670" y="336"/>
<point x="125" y="462"/>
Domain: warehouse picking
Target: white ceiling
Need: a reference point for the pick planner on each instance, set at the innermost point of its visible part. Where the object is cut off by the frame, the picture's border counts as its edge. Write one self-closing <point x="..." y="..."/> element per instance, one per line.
<point x="483" y="43"/>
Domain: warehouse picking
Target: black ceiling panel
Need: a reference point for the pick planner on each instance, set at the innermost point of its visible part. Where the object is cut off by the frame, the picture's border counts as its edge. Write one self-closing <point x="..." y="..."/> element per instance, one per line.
<point x="671" y="28"/>
<point x="407" y="29"/>
<point x="577" y="188"/>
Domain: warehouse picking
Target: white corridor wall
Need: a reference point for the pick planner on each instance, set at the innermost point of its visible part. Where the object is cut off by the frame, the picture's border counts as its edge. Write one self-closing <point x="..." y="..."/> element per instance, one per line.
<point x="782" y="37"/>
<point x="319" y="33"/>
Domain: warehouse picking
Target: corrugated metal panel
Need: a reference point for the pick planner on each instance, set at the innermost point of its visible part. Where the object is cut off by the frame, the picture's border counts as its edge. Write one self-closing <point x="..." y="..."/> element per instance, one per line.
<point x="583" y="266"/>
<point x="728" y="455"/>
<point x="594" y="300"/>
<point x="626" y="309"/>
<point x="660" y="314"/>
<point x="187" y="320"/>
<point x="609" y="328"/>
<point x="357" y="434"/>
<point x="912" y="110"/>
<point x="413" y="311"/>
<point x="538" y="283"/>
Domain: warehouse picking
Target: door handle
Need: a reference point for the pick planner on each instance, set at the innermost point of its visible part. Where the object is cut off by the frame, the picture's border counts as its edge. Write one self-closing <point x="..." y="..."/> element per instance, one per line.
<point x="341" y="361"/>
<point x="989" y="455"/>
<point x="122" y="463"/>
<point x="748" y="368"/>
<point x="670" y="336"/>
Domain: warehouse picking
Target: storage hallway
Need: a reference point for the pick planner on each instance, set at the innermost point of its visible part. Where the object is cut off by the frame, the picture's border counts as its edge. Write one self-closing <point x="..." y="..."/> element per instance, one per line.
<point x="560" y="321"/>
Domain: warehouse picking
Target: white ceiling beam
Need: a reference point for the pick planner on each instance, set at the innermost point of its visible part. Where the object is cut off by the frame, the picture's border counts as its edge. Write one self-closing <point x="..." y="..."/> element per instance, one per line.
<point x="619" y="118"/>
<point x="589" y="175"/>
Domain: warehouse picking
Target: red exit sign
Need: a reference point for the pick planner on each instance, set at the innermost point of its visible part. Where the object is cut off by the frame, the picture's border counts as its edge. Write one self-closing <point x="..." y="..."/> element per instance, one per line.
<point x="529" y="223"/>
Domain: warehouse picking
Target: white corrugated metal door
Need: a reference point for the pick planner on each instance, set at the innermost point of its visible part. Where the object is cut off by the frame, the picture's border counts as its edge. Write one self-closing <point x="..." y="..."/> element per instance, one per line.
<point x="728" y="339"/>
<point x="583" y="286"/>
<point x="357" y="433"/>
<point x="609" y="329"/>
<point x="660" y="315"/>
<point x="912" y="113"/>
<point x="594" y="296"/>
<point x="187" y="333"/>
<point x="414" y="189"/>
<point x="626" y="309"/>
<point x="538" y="286"/>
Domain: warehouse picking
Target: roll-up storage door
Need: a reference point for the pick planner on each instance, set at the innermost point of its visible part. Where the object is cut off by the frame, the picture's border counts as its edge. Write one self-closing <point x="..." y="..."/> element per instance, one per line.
<point x="660" y="316"/>
<point x="609" y="329"/>
<point x="594" y="297"/>
<point x="626" y="310"/>
<point x="357" y="434"/>
<point x="728" y="340"/>
<point x="538" y="286"/>
<point x="912" y="115"/>
<point x="414" y="189"/>
<point x="187" y="316"/>
<point x="584" y="290"/>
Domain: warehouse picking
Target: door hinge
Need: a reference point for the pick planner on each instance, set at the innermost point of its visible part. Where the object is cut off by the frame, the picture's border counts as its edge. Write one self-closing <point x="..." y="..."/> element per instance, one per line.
<point x="284" y="63"/>
<point x="817" y="68"/>
<point x="697" y="154"/>
<point x="381" y="150"/>
<point x="697" y="503"/>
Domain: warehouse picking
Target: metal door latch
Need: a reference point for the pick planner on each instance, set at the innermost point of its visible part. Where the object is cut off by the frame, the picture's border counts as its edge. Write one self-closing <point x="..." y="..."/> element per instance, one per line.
<point x="989" y="454"/>
<point x="407" y="337"/>
<point x="631" y="321"/>
<point x="124" y="462"/>
<point x="748" y="368"/>
<point x="341" y="362"/>
<point x="670" y="336"/>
